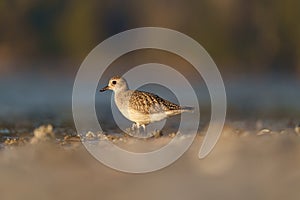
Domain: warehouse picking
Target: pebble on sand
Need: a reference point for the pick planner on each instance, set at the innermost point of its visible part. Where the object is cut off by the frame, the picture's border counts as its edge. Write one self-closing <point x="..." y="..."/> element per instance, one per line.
<point x="42" y="134"/>
<point x="264" y="131"/>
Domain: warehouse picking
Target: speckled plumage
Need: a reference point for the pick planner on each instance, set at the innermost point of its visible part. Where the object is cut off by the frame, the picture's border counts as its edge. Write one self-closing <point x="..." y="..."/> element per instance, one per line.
<point x="149" y="103"/>
<point x="139" y="106"/>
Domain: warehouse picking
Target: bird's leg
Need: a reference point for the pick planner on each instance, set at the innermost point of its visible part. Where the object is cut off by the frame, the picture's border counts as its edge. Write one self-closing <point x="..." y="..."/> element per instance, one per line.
<point x="133" y="126"/>
<point x="144" y="127"/>
<point x="138" y="128"/>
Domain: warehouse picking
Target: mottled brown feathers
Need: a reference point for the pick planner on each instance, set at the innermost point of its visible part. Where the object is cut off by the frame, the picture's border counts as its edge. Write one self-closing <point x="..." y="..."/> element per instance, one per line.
<point x="149" y="103"/>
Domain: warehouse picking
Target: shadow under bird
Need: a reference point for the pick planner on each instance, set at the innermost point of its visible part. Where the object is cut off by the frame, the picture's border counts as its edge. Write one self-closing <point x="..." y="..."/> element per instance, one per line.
<point x="141" y="107"/>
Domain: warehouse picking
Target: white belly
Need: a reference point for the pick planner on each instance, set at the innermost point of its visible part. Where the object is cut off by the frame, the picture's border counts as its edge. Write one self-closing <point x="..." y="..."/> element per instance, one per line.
<point x="122" y="103"/>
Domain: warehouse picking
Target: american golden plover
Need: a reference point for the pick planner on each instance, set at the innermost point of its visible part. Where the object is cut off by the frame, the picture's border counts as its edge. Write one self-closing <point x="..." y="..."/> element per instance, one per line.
<point x="141" y="107"/>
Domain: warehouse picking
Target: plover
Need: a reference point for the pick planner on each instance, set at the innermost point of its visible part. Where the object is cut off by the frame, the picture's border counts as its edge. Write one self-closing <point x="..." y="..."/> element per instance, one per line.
<point x="141" y="107"/>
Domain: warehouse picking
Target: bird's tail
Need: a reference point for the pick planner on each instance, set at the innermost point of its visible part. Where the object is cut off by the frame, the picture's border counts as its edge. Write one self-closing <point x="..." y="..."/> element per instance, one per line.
<point x="188" y="109"/>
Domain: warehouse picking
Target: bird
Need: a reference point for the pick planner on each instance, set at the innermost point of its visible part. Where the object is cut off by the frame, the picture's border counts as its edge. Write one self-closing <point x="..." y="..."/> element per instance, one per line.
<point x="140" y="107"/>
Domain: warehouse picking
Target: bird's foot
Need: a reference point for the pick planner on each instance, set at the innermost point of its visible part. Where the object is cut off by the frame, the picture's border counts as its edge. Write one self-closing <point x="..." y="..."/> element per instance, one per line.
<point x="157" y="133"/>
<point x="137" y="132"/>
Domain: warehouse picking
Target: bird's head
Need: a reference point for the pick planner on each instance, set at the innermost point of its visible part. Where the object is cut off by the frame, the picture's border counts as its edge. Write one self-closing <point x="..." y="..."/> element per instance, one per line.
<point x="116" y="84"/>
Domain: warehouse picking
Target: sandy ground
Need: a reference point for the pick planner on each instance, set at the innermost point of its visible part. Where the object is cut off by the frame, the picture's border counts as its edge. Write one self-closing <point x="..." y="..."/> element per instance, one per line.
<point x="246" y="163"/>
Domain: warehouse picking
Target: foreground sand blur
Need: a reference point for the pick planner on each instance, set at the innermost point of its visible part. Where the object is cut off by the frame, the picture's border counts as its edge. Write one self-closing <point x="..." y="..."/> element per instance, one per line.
<point x="245" y="164"/>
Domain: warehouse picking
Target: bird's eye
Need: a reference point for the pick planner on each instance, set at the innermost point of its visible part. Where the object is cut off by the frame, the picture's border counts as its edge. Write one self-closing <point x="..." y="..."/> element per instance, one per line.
<point x="114" y="82"/>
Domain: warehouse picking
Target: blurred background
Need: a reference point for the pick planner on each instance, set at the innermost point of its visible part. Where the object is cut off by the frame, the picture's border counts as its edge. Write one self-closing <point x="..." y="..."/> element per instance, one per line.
<point x="255" y="44"/>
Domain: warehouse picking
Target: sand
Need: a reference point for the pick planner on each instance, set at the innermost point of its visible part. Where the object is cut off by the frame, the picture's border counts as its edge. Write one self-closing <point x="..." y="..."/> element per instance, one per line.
<point x="250" y="161"/>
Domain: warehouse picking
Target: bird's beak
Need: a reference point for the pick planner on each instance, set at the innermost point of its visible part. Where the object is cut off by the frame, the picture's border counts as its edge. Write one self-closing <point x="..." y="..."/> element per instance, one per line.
<point x="105" y="88"/>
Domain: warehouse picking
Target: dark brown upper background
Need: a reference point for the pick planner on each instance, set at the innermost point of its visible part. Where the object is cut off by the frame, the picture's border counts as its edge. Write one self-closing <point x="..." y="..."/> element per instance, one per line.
<point x="242" y="36"/>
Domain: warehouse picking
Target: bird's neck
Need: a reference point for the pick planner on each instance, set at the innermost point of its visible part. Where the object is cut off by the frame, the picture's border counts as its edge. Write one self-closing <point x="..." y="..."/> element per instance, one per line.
<point x="121" y="90"/>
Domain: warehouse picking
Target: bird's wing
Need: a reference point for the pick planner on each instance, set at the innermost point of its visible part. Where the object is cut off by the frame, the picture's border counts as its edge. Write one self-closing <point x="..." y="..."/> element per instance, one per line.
<point x="148" y="103"/>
